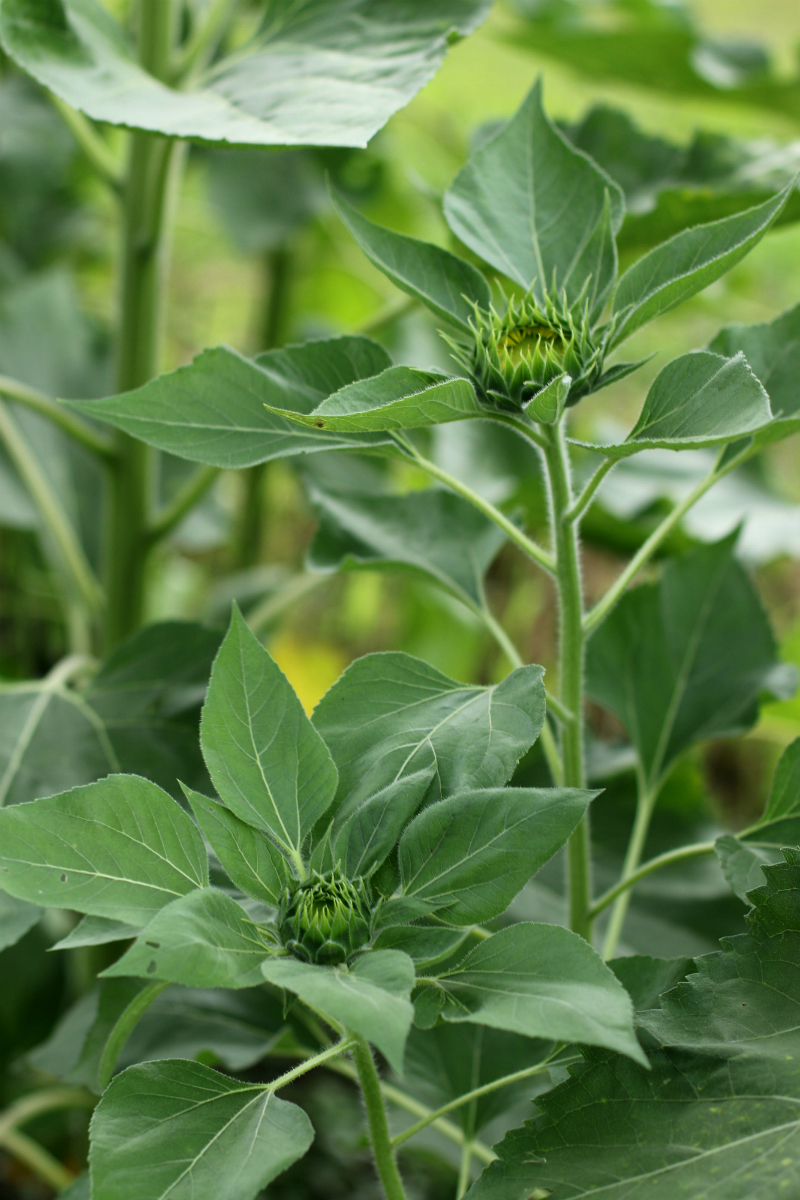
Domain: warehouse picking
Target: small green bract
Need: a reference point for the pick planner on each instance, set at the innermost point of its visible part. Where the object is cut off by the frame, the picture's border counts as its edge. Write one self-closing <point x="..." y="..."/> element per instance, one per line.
<point x="325" y="919"/>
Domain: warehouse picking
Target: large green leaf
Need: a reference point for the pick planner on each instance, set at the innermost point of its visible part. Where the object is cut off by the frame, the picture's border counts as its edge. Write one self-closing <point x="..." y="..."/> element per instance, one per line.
<point x="267" y="761"/>
<point x="687" y="263"/>
<point x="251" y="860"/>
<point x="718" y="1114"/>
<point x="541" y="981"/>
<point x="372" y="997"/>
<point x="685" y="659"/>
<point x="140" y="714"/>
<point x="433" y="533"/>
<point x="214" y="411"/>
<point x="119" y="848"/>
<point x="16" y="918"/>
<point x="533" y="206"/>
<point x="368" y="836"/>
<point x="327" y="72"/>
<point x="180" y="1130"/>
<point x="447" y="285"/>
<point x="398" y="398"/>
<point x="773" y="351"/>
<point x="204" y="939"/>
<point x="475" y="850"/>
<point x="391" y="715"/>
<point x="700" y="399"/>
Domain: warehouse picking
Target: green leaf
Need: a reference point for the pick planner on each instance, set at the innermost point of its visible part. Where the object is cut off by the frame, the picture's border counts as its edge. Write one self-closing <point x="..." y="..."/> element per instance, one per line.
<point x="699" y="399"/>
<point x="687" y="263"/>
<point x="424" y="944"/>
<point x="476" y="850"/>
<point x="16" y="918"/>
<point x="684" y="659"/>
<point x="398" y="398"/>
<point x="450" y="1060"/>
<point x="329" y="73"/>
<point x="548" y="404"/>
<point x="371" y="998"/>
<point x="204" y="940"/>
<point x="645" y="979"/>
<point x="541" y="981"/>
<point x="717" y="1114"/>
<point x="773" y="351"/>
<point x="390" y="715"/>
<point x="97" y="931"/>
<point x="533" y="206"/>
<point x="249" y="858"/>
<point x="742" y="865"/>
<point x="784" y="797"/>
<point x="180" y="1130"/>
<point x="447" y="285"/>
<point x="120" y="848"/>
<point x="214" y="411"/>
<point x="267" y="761"/>
<point x="369" y="834"/>
<point x="433" y="533"/>
<point x="263" y="199"/>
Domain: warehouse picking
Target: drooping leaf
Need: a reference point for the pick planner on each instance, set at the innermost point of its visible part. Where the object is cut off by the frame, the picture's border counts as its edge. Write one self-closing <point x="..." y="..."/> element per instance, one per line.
<point x="699" y="399"/>
<point x="773" y="351"/>
<point x="16" y="918"/>
<point x="450" y="1060"/>
<point x="742" y="865"/>
<point x="181" y="1130"/>
<point x="540" y="981"/>
<point x="96" y="931"/>
<point x="204" y="940"/>
<point x="214" y="411"/>
<point x="369" y="834"/>
<point x="685" y="659"/>
<point x="447" y="285"/>
<point x="120" y="848"/>
<point x="687" y="263"/>
<point x="434" y="533"/>
<point x="510" y="203"/>
<point x="398" y="398"/>
<point x="391" y="715"/>
<point x="645" y="978"/>
<point x="329" y="73"/>
<point x="371" y="997"/>
<point x="476" y="850"/>
<point x="718" y="1112"/>
<point x="251" y="860"/>
<point x="268" y="763"/>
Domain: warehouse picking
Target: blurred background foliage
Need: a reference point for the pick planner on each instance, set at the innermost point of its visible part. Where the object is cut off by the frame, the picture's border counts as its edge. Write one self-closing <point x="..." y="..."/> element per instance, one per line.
<point x="260" y="259"/>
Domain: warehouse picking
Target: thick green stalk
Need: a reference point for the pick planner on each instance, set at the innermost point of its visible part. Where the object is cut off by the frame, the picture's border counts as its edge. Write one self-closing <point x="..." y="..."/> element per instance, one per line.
<point x="571" y="659"/>
<point x="382" y="1148"/>
<point x="150" y="169"/>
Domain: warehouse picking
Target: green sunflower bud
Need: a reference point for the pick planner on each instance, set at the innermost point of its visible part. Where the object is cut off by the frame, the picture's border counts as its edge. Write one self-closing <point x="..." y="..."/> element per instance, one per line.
<point x="325" y="919"/>
<point x="515" y="355"/>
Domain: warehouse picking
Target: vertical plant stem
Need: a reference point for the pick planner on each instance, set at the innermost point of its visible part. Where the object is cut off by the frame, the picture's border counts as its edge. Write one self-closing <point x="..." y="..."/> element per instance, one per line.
<point x="270" y="333"/>
<point x="382" y="1149"/>
<point x="465" y="1171"/>
<point x="151" y="167"/>
<point x="571" y="659"/>
<point x="644" y="810"/>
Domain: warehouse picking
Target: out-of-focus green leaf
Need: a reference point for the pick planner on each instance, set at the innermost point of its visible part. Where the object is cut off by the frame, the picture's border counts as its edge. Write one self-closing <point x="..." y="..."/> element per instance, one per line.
<point x="214" y="411"/>
<point x="773" y="351"/>
<point x="119" y="848"/>
<point x="264" y="198"/>
<point x="718" y="1112"/>
<point x="433" y="533"/>
<point x="391" y="715"/>
<point x="742" y="865"/>
<point x="16" y="918"/>
<point x="447" y="285"/>
<point x="329" y="73"/>
<point x="685" y="659"/>
<point x="371" y="997"/>
<point x="205" y="939"/>
<point x="181" y="1130"/>
<point x="509" y="201"/>
<point x="540" y="981"/>
<point x="645" y="979"/>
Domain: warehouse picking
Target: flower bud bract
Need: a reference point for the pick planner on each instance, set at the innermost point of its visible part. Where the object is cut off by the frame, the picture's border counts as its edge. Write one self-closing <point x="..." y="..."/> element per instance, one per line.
<point x="325" y="919"/>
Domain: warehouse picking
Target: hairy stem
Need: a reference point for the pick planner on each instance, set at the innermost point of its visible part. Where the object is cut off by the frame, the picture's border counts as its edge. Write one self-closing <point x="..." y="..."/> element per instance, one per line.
<point x="578" y="508"/>
<point x="571" y="658"/>
<point x="682" y="854"/>
<point x="644" y="811"/>
<point x="152" y="167"/>
<point x="382" y="1148"/>
<point x="193" y="490"/>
